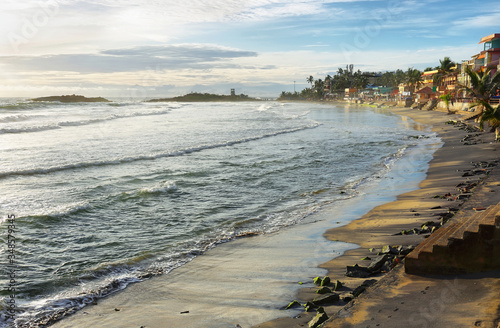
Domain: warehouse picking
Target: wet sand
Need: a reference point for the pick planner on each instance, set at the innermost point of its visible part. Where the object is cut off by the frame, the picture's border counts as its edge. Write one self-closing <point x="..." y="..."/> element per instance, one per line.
<point x="399" y="299"/>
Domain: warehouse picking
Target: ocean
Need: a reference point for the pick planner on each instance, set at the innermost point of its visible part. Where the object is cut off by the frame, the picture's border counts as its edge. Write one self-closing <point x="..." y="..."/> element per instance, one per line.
<point x="109" y="194"/>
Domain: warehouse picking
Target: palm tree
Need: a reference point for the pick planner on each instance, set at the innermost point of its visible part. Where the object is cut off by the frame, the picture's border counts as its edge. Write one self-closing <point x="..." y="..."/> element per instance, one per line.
<point x="413" y="78"/>
<point x="319" y="87"/>
<point x="491" y="116"/>
<point x="443" y="70"/>
<point x="310" y="79"/>
<point x="446" y="98"/>
<point x="483" y="85"/>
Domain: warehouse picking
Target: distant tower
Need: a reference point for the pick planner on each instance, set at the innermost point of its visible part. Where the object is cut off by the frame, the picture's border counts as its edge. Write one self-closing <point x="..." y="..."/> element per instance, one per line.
<point x="233" y="92"/>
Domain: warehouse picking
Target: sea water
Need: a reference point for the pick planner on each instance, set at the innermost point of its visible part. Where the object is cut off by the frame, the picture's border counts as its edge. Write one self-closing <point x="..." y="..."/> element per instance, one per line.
<point x="107" y="194"/>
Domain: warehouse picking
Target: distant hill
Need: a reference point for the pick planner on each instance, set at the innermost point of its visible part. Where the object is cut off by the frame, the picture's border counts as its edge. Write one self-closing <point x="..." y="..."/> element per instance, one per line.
<point x="201" y="97"/>
<point x="71" y="99"/>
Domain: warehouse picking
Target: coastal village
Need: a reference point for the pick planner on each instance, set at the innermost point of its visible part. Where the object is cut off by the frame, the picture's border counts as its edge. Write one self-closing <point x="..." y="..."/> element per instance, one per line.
<point x="449" y="85"/>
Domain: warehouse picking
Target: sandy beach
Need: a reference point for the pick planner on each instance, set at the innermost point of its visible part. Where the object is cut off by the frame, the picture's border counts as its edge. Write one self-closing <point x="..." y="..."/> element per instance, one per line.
<point x="399" y="299"/>
<point x="175" y="300"/>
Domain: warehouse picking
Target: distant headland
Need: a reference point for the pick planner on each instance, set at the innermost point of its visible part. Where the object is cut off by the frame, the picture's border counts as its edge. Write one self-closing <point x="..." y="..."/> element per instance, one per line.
<point x="71" y="99"/>
<point x="203" y="97"/>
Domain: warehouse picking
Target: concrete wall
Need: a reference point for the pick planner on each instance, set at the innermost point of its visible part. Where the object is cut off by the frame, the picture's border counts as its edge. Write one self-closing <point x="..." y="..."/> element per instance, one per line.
<point x="455" y="106"/>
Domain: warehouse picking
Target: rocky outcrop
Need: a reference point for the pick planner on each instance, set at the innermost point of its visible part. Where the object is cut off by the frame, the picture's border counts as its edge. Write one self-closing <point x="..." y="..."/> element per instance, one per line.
<point x="71" y="99"/>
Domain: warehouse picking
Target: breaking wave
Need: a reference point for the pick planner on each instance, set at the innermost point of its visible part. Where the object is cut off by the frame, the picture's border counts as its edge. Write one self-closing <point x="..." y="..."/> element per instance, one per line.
<point x="124" y="160"/>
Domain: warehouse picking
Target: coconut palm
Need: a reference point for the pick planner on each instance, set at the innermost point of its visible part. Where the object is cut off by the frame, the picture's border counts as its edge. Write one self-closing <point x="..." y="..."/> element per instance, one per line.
<point x="491" y="116"/>
<point x="443" y="70"/>
<point x="482" y="85"/>
<point x="446" y="98"/>
<point x="413" y="78"/>
<point x="310" y="79"/>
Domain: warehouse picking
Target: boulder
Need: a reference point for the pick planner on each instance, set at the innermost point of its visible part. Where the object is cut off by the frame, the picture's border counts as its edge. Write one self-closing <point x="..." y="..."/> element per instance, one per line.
<point x="326" y="281"/>
<point x="295" y="303"/>
<point x="388" y="249"/>
<point x="317" y="281"/>
<point x="318" y="320"/>
<point x="323" y="290"/>
<point x="378" y="262"/>
<point x="356" y="271"/>
<point x="326" y="299"/>
<point x="309" y="306"/>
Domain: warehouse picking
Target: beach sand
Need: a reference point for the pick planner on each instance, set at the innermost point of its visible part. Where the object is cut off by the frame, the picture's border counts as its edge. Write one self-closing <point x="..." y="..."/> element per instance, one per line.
<point x="286" y="259"/>
<point x="399" y="299"/>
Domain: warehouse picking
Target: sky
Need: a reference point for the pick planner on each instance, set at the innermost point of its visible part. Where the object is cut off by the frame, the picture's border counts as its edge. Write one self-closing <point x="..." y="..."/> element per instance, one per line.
<point x="155" y="48"/>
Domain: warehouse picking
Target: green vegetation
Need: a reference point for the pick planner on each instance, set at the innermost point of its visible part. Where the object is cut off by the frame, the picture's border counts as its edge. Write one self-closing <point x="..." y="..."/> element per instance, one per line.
<point x="334" y="86"/>
<point x="71" y="99"/>
<point x="444" y="70"/>
<point x="203" y="97"/>
<point x="482" y="87"/>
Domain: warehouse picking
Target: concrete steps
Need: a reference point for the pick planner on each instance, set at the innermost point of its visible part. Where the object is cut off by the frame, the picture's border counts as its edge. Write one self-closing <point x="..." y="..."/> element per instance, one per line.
<point x="471" y="244"/>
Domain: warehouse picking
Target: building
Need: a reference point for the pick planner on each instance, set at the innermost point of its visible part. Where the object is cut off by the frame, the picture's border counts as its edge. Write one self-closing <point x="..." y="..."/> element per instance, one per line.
<point x="488" y="58"/>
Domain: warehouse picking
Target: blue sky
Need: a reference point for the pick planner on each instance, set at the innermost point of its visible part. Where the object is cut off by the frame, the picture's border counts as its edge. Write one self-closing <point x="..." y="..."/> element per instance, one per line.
<point x="151" y="48"/>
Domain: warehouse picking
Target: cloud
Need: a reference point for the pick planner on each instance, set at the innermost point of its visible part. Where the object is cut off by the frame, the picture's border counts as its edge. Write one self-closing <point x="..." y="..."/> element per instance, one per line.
<point x="181" y="56"/>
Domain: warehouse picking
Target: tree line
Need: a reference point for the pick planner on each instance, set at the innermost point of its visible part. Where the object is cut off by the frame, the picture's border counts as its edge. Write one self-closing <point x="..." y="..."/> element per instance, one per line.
<point x="348" y="78"/>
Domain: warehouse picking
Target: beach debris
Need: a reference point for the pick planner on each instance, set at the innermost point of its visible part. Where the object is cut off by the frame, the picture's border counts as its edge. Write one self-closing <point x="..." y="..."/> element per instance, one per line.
<point x="318" y="320"/>
<point x="326" y="299"/>
<point x="292" y="304"/>
<point x="117" y="309"/>
<point x="326" y="281"/>
<point x="323" y="290"/>
<point x="184" y="312"/>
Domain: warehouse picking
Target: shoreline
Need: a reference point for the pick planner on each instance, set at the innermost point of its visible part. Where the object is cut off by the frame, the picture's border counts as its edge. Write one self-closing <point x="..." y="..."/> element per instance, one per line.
<point x="382" y="304"/>
<point x="335" y="268"/>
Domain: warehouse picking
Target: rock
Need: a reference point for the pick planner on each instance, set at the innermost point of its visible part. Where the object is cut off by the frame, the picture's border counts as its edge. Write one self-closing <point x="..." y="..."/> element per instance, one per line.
<point x="317" y="281"/>
<point x="388" y="249"/>
<point x="323" y="290"/>
<point x="337" y="285"/>
<point x="347" y="298"/>
<point x="71" y="99"/>
<point x="293" y="304"/>
<point x="326" y="299"/>
<point x="358" y="290"/>
<point x="369" y="282"/>
<point x="318" y="320"/>
<point x="387" y="266"/>
<point x="326" y="281"/>
<point x="309" y="306"/>
<point x="379" y="261"/>
<point x="357" y="272"/>
<point x="405" y="250"/>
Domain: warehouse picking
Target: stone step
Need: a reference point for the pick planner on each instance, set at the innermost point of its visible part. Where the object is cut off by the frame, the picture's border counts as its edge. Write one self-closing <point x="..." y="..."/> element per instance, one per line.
<point x="473" y="222"/>
<point x="444" y="250"/>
